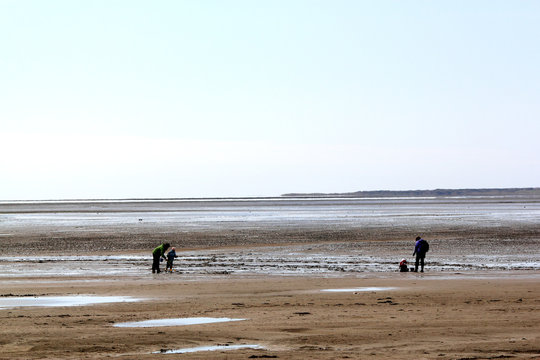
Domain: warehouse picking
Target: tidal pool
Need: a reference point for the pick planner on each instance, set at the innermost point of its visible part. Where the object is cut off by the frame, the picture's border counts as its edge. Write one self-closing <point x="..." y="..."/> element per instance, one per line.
<point x="361" y="289"/>
<point x="56" y="301"/>
<point x="175" y="322"/>
<point x="208" y="348"/>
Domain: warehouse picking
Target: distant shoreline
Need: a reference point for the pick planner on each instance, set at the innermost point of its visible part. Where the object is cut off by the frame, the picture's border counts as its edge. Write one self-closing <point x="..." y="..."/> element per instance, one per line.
<point x="532" y="191"/>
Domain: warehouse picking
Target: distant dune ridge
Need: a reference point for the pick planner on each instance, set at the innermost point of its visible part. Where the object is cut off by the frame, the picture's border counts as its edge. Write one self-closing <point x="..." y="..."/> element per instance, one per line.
<point x="532" y="191"/>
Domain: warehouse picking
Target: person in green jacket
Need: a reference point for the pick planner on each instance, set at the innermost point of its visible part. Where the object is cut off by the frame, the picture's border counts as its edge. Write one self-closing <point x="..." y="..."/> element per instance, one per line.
<point x="157" y="254"/>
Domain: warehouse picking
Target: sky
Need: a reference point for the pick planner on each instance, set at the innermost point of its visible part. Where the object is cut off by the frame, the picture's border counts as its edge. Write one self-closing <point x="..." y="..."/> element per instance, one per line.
<point x="161" y="99"/>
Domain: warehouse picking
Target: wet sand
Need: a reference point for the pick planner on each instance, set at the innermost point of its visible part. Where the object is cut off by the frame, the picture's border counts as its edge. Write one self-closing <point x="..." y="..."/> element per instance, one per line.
<point x="425" y="316"/>
<point x="274" y="273"/>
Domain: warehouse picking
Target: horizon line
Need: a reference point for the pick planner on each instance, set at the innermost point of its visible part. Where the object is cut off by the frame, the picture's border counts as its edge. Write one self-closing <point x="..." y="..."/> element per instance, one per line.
<point x="285" y="195"/>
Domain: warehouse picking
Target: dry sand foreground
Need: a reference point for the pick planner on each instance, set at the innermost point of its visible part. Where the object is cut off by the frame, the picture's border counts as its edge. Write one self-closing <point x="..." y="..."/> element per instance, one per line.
<point x="428" y="316"/>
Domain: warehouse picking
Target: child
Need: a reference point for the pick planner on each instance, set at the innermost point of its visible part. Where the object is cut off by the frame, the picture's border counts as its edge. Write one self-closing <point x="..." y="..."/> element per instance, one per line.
<point x="170" y="258"/>
<point x="403" y="266"/>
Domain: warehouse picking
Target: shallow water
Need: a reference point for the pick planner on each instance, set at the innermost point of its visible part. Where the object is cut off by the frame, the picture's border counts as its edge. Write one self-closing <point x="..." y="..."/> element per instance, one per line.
<point x="224" y="213"/>
<point x="57" y="301"/>
<point x="314" y="259"/>
<point x="208" y="348"/>
<point x="175" y="322"/>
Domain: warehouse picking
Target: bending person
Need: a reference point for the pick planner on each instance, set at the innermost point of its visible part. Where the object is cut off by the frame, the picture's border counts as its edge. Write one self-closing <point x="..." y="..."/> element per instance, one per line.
<point x="157" y="254"/>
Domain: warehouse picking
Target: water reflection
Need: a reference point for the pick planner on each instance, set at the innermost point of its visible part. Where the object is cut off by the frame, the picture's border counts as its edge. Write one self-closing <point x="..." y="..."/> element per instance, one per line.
<point x="175" y="322"/>
<point x="56" y="301"/>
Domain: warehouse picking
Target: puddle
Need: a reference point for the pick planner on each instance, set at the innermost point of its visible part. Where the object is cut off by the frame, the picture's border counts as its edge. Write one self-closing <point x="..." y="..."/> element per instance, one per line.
<point x="361" y="289"/>
<point x="208" y="348"/>
<point x="55" y="301"/>
<point x="175" y="322"/>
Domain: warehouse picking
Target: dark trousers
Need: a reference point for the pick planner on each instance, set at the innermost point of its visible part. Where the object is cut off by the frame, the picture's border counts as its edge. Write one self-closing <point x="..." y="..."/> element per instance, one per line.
<point x="155" y="263"/>
<point x="403" y="268"/>
<point x="419" y="259"/>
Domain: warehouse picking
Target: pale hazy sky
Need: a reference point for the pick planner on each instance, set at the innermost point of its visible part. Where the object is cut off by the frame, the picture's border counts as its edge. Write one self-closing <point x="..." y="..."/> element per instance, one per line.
<point x="116" y="99"/>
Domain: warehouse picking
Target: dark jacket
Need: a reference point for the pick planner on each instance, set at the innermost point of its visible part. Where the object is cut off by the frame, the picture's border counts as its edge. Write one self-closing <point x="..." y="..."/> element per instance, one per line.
<point x="171" y="255"/>
<point x="421" y="247"/>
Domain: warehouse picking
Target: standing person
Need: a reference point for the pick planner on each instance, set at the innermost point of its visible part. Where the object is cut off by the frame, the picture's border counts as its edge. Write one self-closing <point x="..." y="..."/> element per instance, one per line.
<point x="157" y="254"/>
<point x="170" y="258"/>
<point x="421" y="247"/>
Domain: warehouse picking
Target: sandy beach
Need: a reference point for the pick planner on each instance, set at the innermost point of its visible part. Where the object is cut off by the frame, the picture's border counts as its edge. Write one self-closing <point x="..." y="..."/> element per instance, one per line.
<point x="299" y="286"/>
<point x="422" y="316"/>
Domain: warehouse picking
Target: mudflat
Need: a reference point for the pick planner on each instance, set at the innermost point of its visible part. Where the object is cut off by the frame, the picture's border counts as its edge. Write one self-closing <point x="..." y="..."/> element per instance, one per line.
<point x="269" y="266"/>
